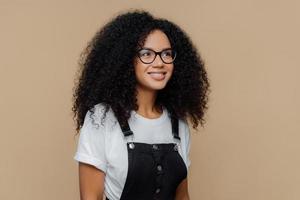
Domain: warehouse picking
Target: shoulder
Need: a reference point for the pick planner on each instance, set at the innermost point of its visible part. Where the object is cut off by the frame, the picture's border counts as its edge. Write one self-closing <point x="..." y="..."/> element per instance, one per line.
<point x="184" y="131"/>
<point x="95" y="126"/>
<point x="96" y="117"/>
<point x="102" y="110"/>
<point x="183" y="126"/>
<point x="104" y="115"/>
<point x="185" y="140"/>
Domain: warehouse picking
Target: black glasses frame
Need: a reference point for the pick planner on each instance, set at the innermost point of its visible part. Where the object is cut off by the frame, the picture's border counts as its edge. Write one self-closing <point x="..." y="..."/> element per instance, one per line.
<point x="156" y="53"/>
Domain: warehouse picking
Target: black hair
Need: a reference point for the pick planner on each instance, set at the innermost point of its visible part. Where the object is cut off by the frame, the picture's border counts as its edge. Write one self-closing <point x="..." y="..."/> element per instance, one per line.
<point x="107" y="74"/>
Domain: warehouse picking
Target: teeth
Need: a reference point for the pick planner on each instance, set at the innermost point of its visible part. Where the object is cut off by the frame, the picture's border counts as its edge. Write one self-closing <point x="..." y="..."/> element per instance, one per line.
<point x="157" y="76"/>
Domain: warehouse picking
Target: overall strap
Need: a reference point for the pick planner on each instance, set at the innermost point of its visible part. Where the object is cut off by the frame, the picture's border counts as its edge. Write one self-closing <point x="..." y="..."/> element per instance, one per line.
<point x="175" y="122"/>
<point x="125" y="129"/>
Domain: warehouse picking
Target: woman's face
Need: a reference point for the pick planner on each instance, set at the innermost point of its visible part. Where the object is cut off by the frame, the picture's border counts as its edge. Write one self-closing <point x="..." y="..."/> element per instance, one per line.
<point x="155" y="75"/>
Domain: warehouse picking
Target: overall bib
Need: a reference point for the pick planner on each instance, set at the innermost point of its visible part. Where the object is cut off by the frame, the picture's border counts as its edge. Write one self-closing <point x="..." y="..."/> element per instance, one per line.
<point x="154" y="170"/>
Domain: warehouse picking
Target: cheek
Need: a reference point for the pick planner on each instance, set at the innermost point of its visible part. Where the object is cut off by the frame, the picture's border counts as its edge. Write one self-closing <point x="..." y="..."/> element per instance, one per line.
<point x="171" y="69"/>
<point x="139" y="71"/>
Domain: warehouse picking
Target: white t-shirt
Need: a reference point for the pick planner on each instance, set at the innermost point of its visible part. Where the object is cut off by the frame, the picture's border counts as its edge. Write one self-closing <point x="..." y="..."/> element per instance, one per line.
<point x="104" y="146"/>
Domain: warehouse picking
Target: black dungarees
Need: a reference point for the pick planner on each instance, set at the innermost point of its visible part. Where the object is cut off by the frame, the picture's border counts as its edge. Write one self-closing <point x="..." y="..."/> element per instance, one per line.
<point x="154" y="170"/>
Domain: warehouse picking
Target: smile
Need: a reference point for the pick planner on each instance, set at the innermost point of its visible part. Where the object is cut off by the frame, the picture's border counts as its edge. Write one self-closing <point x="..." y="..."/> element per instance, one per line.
<point x="158" y="76"/>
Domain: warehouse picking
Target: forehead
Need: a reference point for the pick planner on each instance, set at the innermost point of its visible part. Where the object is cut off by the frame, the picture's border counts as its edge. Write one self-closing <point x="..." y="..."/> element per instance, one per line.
<point x="157" y="40"/>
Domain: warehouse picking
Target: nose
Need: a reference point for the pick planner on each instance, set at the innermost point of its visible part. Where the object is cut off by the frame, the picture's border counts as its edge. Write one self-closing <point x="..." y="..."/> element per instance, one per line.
<point x="158" y="61"/>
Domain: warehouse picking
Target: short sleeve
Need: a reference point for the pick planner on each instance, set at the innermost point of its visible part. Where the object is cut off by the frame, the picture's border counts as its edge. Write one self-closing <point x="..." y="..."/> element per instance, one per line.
<point x="186" y="144"/>
<point x="91" y="142"/>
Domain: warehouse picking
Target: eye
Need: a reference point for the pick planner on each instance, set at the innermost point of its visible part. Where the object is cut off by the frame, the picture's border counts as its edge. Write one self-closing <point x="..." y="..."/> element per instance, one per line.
<point x="145" y="53"/>
<point x="167" y="53"/>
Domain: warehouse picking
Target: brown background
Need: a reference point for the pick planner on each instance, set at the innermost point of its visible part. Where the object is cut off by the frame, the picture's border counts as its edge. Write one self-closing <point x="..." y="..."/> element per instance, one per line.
<point x="249" y="148"/>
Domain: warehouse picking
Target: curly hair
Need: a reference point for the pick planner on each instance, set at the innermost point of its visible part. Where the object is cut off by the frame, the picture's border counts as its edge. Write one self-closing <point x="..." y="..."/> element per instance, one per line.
<point x="106" y="73"/>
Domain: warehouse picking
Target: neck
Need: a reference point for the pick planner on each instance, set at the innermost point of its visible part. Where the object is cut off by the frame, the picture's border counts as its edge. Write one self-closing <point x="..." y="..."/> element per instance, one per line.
<point x="146" y="103"/>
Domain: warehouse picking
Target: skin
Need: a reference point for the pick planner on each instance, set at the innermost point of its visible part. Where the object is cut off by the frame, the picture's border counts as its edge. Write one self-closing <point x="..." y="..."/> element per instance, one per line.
<point x="147" y="87"/>
<point x="91" y="179"/>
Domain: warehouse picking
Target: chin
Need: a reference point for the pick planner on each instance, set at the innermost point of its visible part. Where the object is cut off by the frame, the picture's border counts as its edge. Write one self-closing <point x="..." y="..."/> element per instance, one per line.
<point x="151" y="86"/>
<point x="157" y="86"/>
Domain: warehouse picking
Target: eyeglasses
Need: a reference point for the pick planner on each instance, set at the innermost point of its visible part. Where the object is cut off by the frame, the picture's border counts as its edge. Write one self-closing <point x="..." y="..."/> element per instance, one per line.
<point x="147" y="56"/>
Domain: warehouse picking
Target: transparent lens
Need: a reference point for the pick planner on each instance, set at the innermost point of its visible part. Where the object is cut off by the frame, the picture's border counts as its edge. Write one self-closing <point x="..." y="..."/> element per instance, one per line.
<point x="147" y="55"/>
<point x="168" y="56"/>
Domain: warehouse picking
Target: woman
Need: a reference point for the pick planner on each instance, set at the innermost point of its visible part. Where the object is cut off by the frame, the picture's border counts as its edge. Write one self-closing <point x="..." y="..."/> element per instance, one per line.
<point x="141" y="79"/>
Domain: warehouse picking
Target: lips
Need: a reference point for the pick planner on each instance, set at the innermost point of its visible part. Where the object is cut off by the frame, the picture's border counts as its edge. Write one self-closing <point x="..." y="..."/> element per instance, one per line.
<point x="157" y="75"/>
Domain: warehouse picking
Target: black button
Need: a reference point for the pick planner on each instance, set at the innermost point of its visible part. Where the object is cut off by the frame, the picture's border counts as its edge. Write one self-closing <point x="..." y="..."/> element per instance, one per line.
<point x="131" y="145"/>
<point x="157" y="190"/>
<point x="176" y="147"/>
<point x="159" y="167"/>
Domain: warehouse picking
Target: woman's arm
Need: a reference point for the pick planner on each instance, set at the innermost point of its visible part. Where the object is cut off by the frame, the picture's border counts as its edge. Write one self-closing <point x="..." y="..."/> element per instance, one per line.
<point x="182" y="191"/>
<point x="91" y="182"/>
